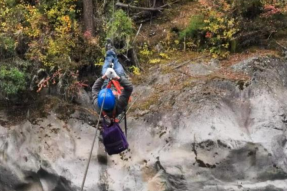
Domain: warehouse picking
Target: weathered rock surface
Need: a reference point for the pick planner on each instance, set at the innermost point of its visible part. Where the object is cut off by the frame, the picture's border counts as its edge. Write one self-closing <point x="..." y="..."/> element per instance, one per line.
<point x="207" y="135"/>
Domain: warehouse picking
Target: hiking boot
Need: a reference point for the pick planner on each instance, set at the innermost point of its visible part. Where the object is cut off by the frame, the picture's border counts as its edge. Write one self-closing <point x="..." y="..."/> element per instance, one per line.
<point x="109" y="45"/>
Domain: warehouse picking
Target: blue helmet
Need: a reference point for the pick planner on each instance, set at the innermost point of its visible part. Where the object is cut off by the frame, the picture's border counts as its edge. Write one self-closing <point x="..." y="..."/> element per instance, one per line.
<point x="110" y="100"/>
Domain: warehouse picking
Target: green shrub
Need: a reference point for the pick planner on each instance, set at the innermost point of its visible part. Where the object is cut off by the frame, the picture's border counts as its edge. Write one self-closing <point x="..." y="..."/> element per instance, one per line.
<point x="120" y="28"/>
<point x="12" y="81"/>
<point x="213" y="30"/>
<point x="7" y="46"/>
<point x="219" y="34"/>
<point x="229" y="25"/>
<point x="48" y="32"/>
<point x="196" y="23"/>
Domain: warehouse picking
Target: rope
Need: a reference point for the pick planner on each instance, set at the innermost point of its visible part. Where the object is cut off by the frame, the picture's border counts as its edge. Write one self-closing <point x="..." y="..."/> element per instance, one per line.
<point x="130" y="107"/>
<point x="96" y="135"/>
<point x="113" y="17"/>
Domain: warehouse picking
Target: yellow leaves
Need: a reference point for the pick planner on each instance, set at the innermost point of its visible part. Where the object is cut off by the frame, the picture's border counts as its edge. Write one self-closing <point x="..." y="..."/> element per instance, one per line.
<point x="220" y="20"/>
<point x="6" y="11"/>
<point x="214" y="27"/>
<point x="226" y="7"/>
<point x="50" y="29"/>
<point x="100" y="62"/>
<point x="145" y="52"/>
<point x="135" y="70"/>
<point x="230" y="33"/>
<point x="220" y="28"/>
<point x="59" y="14"/>
<point x="72" y="8"/>
<point x="53" y="47"/>
<point x="154" y="61"/>
<point x="66" y="18"/>
<point x="56" y="46"/>
<point x="191" y="45"/>
<point x="225" y="45"/>
<point x="19" y="27"/>
<point x="164" y="56"/>
<point x="52" y="14"/>
<point x="231" y="23"/>
<point x="65" y="26"/>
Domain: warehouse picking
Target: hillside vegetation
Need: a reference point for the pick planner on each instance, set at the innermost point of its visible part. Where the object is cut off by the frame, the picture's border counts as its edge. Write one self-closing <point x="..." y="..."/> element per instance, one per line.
<point x="53" y="44"/>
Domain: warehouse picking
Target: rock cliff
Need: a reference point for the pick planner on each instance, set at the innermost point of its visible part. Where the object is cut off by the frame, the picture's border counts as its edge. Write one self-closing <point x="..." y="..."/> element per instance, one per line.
<point x="197" y="127"/>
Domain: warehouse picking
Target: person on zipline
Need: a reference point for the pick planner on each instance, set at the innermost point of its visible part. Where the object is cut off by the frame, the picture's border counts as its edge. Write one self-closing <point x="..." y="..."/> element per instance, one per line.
<point x="113" y="105"/>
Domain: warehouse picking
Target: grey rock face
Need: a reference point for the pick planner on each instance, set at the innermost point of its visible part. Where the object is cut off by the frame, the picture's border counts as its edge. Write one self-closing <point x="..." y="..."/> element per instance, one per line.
<point x="216" y="135"/>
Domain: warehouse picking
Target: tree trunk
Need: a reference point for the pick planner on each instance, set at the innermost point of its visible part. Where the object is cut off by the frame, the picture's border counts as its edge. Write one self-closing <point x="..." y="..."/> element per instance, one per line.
<point x="134" y="59"/>
<point x="88" y="16"/>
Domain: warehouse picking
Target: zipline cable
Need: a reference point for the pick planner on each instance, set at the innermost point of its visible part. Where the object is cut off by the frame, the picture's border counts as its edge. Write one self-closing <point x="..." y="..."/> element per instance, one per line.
<point x="130" y="106"/>
<point x="113" y="17"/>
<point x="96" y="135"/>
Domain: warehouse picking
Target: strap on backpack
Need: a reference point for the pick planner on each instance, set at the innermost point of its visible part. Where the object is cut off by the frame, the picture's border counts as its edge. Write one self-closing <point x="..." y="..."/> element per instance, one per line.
<point x="113" y="118"/>
<point x="126" y="127"/>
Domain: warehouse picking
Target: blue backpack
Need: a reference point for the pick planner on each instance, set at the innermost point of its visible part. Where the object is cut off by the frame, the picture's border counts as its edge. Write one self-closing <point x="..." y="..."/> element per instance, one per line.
<point x="114" y="139"/>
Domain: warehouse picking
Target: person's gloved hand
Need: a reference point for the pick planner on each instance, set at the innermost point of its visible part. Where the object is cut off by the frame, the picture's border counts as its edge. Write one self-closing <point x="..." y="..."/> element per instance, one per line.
<point x="111" y="74"/>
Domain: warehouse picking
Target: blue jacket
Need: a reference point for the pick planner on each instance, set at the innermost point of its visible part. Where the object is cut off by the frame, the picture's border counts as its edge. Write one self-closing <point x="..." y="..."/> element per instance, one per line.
<point x="112" y="57"/>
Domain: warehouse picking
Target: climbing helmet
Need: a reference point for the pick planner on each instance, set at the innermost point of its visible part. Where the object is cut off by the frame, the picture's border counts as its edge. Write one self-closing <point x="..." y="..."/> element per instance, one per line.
<point x="106" y="95"/>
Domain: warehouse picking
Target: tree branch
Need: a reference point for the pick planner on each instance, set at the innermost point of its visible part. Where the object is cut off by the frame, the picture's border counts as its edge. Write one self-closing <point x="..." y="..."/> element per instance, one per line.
<point x="283" y="47"/>
<point x="140" y="8"/>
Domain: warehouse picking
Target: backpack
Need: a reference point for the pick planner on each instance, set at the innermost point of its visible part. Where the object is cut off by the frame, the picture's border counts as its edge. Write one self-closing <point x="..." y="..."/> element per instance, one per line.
<point x="114" y="139"/>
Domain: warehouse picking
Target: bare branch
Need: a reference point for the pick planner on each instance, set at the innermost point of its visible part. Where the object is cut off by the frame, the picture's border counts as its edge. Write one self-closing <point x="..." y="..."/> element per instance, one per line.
<point x="137" y="34"/>
<point x="140" y="8"/>
<point x="283" y="47"/>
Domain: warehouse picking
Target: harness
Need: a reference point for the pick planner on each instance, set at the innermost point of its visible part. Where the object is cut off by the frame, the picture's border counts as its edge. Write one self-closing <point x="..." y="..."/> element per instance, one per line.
<point x="117" y="92"/>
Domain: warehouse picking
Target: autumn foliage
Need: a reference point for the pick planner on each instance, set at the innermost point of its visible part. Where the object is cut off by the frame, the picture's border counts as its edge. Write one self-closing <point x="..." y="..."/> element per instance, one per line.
<point x="47" y="35"/>
<point x="224" y="26"/>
